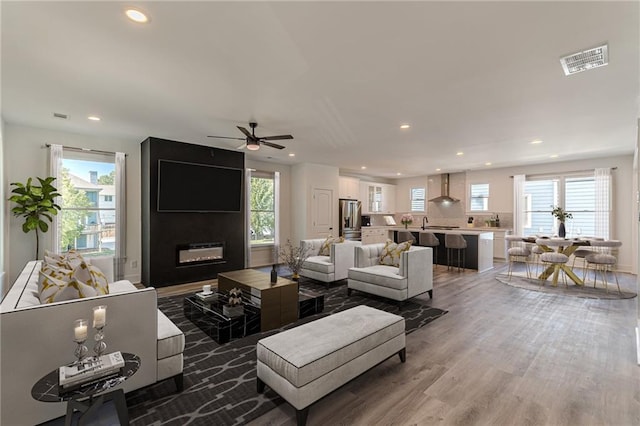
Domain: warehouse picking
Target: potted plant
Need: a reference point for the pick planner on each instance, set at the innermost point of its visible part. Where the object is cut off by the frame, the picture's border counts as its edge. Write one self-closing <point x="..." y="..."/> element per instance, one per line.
<point x="35" y="203"/>
<point x="293" y="257"/>
<point x="234" y="306"/>
<point x="406" y="220"/>
<point x="560" y="214"/>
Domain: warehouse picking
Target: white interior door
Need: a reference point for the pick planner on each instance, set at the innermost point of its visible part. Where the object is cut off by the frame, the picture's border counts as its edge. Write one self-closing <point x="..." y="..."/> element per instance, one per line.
<point x="322" y="212"/>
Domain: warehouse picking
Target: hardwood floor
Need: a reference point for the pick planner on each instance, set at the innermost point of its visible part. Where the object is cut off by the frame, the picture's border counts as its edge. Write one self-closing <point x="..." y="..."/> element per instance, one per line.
<point x="501" y="356"/>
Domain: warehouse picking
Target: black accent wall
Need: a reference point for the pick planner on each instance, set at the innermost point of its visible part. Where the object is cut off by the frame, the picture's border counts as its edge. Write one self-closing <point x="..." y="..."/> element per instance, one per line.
<point x="163" y="232"/>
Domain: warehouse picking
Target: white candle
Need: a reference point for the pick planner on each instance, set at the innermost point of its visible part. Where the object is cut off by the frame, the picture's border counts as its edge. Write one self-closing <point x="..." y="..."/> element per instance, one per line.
<point x="80" y="332"/>
<point x="206" y="288"/>
<point x="99" y="316"/>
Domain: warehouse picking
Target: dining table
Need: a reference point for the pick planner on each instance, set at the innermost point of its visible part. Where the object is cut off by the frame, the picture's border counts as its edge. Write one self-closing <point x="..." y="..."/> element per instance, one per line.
<point x="560" y="245"/>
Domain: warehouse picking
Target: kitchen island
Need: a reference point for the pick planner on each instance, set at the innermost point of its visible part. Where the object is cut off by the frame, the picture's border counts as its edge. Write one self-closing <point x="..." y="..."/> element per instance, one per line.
<point x="479" y="252"/>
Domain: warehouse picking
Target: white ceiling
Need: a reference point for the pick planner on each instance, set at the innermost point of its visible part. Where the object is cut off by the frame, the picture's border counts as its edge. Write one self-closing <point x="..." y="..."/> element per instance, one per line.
<point x="481" y="78"/>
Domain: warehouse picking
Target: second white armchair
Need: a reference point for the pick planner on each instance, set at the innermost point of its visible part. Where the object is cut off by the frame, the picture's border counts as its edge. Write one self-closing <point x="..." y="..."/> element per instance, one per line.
<point x="329" y="268"/>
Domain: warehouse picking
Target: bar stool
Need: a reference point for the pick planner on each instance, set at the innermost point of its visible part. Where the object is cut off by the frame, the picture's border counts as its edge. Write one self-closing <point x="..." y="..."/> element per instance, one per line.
<point x="458" y="243"/>
<point x="603" y="260"/>
<point x="406" y="236"/>
<point x="517" y="251"/>
<point x="429" y="239"/>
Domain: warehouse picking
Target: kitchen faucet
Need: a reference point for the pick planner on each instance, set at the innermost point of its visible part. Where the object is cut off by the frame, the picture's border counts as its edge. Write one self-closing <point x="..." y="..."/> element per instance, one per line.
<point x="424" y="222"/>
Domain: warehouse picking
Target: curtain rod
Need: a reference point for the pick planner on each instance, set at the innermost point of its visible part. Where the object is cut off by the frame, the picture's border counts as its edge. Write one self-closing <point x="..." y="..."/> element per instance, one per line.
<point x="73" y="148"/>
<point x="569" y="172"/>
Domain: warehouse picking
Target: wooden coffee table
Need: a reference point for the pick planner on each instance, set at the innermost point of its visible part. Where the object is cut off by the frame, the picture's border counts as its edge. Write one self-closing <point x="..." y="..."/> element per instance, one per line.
<point x="278" y="302"/>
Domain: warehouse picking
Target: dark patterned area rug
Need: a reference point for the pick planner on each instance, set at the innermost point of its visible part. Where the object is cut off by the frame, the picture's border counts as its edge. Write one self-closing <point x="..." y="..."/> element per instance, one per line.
<point x="220" y="380"/>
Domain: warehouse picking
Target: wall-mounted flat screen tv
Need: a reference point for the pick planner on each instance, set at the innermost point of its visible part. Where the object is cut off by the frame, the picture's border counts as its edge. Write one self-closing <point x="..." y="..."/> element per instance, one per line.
<point x="193" y="187"/>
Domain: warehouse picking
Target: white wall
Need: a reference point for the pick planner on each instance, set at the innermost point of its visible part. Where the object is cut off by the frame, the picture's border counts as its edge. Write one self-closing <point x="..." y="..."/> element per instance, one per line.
<point x="4" y="212"/>
<point x="25" y="156"/>
<point x="261" y="256"/>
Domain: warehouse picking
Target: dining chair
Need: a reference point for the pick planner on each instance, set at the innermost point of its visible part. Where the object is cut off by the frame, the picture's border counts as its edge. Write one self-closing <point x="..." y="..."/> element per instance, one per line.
<point x="517" y="251"/>
<point x="603" y="260"/>
<point x="553" y="258"/>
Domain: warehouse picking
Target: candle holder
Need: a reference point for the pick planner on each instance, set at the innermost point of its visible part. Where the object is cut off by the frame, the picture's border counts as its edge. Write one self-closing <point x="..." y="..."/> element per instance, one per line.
<point x="100" y="345"/>
<point x="80" y="336"/>
<point x="99" y="323"/>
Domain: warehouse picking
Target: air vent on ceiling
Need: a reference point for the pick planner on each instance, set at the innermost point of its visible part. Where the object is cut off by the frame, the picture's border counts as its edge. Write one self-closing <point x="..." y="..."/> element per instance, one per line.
<point x="585" y="60"/>
<point x="60" y="115"/>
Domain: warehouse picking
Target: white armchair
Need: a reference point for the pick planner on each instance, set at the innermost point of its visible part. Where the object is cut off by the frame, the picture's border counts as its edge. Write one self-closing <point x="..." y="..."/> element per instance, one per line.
<point x="328" y="268"/>
<point x="413" y="276"/>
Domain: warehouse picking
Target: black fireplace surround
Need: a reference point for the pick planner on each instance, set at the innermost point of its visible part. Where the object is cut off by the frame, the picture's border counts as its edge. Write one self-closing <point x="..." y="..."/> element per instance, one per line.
<point x="164" y="232"/>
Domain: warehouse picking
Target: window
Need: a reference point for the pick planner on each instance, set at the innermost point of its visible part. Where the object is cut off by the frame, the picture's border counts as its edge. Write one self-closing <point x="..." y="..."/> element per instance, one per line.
<point x="417" y="199"/>
<point x="574" y="193"/>
<point x="479" y="197"/>
<point x="87" y="220"/>
<point x="263" y="208"/>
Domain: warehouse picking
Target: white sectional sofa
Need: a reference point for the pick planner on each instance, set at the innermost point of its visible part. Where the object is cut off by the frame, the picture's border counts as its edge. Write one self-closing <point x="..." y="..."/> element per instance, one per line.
<point x="413" y="276"/>
<point x="328" y="268"/>
<point x="38" y="338"/>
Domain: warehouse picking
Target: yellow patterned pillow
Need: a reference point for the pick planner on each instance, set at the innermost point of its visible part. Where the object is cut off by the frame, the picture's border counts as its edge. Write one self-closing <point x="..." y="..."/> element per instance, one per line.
<point x="325" y="248"/>
<point x="55" y="290"/>
<point x="391" y="253"/>
<point x="53" y="271"/>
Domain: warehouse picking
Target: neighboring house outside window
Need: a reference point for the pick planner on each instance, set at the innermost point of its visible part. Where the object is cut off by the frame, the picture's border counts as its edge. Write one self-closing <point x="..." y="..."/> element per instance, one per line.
<point x="87" y="219"/>
<point x="574" y="193"/>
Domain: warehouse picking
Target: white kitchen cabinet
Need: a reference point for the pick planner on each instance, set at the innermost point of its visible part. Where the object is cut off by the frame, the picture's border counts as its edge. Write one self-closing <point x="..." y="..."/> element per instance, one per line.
<point x="388" y="199"/>
<point x="349" y="187"/>
<point x="499" y="245"/>
<point x="378" y="198"/>
<point x="374" y="235"/>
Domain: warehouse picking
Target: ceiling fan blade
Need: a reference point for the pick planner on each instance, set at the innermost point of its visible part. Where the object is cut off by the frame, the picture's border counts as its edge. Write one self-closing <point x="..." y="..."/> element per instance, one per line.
<point x="246" y="133"/>
<point x="275" y="138"/>
<point x="272" y="145"/>
<point x="225" y="137"/>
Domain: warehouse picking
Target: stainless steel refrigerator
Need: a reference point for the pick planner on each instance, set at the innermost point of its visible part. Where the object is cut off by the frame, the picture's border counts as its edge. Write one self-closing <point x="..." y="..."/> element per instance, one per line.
<point x="350" y="219"/>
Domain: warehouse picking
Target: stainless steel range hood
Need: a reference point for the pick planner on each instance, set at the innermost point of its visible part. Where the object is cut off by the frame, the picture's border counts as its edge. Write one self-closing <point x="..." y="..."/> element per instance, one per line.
<point x="444" y="191"/>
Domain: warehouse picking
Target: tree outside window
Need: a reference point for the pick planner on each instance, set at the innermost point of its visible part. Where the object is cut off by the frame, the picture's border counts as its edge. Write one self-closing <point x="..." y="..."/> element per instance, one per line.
<point x="263" y="218"/>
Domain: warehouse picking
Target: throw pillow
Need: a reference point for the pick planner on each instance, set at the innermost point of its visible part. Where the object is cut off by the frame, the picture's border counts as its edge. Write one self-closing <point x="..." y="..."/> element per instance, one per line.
<point x="391" y="253"/>
<point x="92" y="276"/>
<point x="325" y="248"/>
<point x="73" y="258"/>
<point x="53" y="271"/>
<point x="55" y="290"/>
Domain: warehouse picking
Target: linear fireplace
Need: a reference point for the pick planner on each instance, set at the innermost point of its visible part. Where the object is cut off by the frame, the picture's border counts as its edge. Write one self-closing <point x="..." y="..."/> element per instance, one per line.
<point x="200" y="253"/>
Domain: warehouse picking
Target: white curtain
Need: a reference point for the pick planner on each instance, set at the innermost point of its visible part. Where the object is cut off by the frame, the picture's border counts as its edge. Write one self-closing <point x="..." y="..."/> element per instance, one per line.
<point x="518" y="204"/>
<point x="276" y="208"/>
<point x="121" y="215"/>
<point x="603" y="202"/>
<point x="55" y="169"/>
<point x="247" y="256"/>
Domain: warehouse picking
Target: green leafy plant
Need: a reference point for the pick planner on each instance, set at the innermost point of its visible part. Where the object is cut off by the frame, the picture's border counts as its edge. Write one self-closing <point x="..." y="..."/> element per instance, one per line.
<point x="35" y="203"/>
<point x="561" y="214"/>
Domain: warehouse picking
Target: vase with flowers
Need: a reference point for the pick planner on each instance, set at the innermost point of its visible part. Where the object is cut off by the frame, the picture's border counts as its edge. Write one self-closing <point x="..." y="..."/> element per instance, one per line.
<point x="406" y="220"/>
<point x="562" y="215"/>
<point x="293" y="257"/>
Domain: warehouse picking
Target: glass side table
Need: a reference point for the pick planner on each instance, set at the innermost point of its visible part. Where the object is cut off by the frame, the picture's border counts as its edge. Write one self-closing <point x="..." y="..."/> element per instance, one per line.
<point x="86" y="399"/>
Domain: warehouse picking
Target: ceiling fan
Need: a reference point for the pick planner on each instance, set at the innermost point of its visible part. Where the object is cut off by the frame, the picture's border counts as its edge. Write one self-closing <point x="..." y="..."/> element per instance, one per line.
<point x="253" y="141"/>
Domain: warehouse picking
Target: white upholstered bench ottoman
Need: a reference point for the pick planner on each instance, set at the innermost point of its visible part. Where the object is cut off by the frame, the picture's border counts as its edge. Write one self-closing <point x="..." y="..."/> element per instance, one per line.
<point x="305" y="363"/>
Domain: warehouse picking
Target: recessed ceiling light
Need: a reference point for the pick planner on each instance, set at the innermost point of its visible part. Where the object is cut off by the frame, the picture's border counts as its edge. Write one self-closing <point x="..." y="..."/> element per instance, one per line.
<point x="363" y="167"/>
<point x="291" y="154"/>
<point x="136" y="16"/>
<point x="536" y="142"/>
<point x="398" y="174"/>
<point x="487" y="164"/>
<point x="459" y="153"/>
<point x="404" y="126"/>
<point x="437" y="170"/>
<point x="553" y="156"/>
<point x="93" y="118"/>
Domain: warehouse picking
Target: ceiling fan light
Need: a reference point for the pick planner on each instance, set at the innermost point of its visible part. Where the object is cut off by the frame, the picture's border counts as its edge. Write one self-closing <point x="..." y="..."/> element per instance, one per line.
<point x="253" y="146"/>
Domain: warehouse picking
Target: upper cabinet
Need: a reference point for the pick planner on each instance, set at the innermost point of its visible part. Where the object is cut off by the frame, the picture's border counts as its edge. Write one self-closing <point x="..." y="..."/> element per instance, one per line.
<point x="377" y="197"/>
<point x="349" y="188"/>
